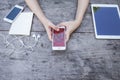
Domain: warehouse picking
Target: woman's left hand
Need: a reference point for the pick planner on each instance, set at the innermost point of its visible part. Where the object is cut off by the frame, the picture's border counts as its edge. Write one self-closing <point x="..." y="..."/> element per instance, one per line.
<point x="70" y="27"/>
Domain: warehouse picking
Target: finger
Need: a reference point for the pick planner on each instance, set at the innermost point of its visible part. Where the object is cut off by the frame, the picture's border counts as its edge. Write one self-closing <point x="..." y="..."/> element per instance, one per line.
<point x="54" y="27"/>
<point x="49" y="35"/>
<point x="67" y="39"/>
<point x="67" y="36"/>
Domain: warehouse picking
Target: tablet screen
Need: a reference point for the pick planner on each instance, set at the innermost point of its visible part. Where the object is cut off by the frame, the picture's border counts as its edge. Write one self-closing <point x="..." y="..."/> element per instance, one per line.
<point x="106" y="21"/>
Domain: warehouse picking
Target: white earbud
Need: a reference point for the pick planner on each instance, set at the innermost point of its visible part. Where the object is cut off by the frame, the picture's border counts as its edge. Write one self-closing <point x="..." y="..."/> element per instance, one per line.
<point x="36" y="37"/>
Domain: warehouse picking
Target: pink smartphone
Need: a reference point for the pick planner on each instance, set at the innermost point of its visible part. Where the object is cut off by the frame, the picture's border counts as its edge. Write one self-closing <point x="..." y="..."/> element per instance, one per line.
<point x="58" y="42"/>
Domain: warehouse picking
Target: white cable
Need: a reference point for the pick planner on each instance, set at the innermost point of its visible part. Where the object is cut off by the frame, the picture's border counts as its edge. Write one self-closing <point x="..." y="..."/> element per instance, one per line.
<point x="9" y="43"/>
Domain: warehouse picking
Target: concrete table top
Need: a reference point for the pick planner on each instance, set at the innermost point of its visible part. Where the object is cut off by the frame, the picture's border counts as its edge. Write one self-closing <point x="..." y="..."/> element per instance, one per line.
<point x="86" y="58"/>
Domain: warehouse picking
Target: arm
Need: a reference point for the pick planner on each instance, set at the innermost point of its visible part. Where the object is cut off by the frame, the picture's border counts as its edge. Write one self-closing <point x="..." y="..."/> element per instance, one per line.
<point x="35" y="7"/>
<point x="82" y="6"/>
<point x="73" y="25"/>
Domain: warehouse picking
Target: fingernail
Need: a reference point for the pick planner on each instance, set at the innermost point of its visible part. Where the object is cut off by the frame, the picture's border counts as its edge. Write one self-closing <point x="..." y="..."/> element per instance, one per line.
<point x="57" y="29"/>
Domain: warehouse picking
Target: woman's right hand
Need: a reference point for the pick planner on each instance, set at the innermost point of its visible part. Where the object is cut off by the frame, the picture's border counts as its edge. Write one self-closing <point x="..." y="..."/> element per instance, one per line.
<point x="49" y="26"/>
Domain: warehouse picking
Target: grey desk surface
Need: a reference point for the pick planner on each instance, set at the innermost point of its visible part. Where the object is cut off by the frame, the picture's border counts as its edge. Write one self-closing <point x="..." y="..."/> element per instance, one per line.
<point x="86" y="57"/>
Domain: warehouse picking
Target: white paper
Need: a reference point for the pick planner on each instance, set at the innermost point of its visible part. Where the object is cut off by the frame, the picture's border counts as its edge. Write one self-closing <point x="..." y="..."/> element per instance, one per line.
<point x="22" y="25"/>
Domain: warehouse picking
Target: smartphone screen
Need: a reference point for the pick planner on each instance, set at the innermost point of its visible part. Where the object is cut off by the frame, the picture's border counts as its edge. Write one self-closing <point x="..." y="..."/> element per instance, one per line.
<point x="59" y="38"/>
<point x="13" y="13"/>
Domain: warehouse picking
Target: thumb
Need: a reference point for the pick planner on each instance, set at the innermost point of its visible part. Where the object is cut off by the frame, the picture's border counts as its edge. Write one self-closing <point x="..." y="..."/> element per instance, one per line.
<point x="61" y="24"/>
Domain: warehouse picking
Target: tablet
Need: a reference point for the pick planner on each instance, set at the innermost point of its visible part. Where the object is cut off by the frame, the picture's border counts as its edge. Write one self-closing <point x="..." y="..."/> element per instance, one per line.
<point x="106" y="20"/>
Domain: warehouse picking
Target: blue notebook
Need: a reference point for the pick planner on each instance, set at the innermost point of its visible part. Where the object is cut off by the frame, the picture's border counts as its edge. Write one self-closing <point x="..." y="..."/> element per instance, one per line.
<point x="106" y="19"/>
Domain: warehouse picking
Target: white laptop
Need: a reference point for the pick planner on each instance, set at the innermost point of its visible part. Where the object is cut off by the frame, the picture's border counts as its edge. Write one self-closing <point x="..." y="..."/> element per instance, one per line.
<point x="106" y="19"/>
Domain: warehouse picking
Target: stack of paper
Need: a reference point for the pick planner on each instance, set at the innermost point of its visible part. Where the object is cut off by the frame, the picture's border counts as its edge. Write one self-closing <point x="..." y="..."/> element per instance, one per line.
<point x="22" y="25"/>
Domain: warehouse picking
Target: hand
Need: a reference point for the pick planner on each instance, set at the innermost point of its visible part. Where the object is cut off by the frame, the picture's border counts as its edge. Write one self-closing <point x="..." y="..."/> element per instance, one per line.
<point x="49" y="26"/>
<point x="70" y="27"/>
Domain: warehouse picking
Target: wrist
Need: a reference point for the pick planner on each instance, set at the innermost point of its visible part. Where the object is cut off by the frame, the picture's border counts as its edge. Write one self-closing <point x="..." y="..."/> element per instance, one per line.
<point x="77" y="22"/>
<point x="43" y="20"/>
